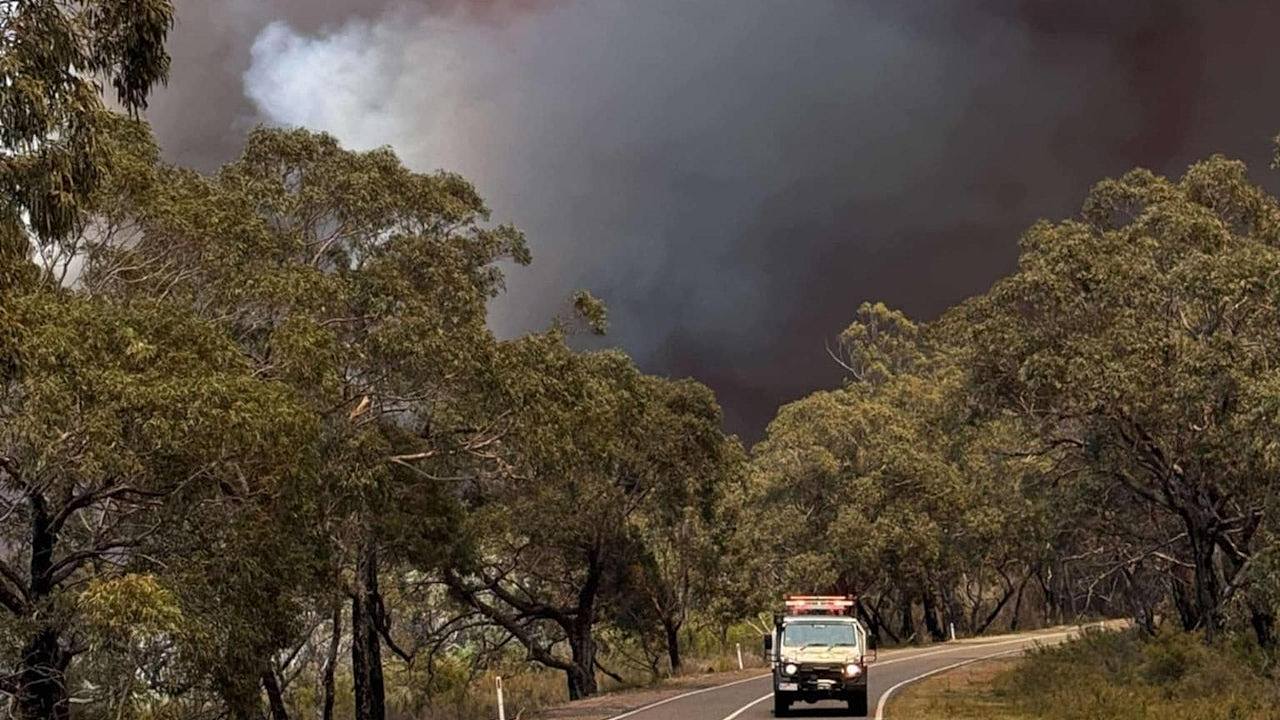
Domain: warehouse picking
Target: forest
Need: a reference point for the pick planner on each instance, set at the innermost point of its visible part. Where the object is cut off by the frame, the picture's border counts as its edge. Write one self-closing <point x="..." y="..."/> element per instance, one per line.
<point x="262" y="456"/>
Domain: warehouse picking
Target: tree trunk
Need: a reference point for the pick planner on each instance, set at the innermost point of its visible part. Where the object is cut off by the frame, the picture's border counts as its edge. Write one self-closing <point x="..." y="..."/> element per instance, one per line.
<point x="1069" y="593"/>
<point x="1009" y="591"/>
<point x="42" y="686"/>
<point x="1188" y="613"/>
<point x="908" y="619"/>
<point x="1047" y="594"/>
<point x="1015" y="621"/>
<point x="42" y="691"/>
<point x="672" y="628"/>
<point x="331" y="663"/>
<point x="952" y="611"/>
<point x="882" y="625"/>
<point x="1264" y="624"/>
<point x="1143" y="613"/>
<point x="1207" y="588"/>
<point x="931" y="623"/>
<point x="995" y="612"/>
<point x="875" y="624"/>
<point x="275" y="697"/>
<point x="366" y="645"/>
<point x="582" y="672"/>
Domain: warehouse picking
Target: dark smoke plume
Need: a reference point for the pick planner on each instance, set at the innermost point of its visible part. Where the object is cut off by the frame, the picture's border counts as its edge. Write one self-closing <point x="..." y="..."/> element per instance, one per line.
<point x="734" y="177"/>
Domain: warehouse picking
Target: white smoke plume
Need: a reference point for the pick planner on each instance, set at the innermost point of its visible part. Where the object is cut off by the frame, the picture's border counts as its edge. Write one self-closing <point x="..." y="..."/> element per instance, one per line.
<point x="734" y="176"/>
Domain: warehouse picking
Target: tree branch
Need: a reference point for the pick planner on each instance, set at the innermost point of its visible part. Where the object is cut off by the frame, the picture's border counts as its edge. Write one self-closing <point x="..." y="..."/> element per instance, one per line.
<point x="507" y="622"/>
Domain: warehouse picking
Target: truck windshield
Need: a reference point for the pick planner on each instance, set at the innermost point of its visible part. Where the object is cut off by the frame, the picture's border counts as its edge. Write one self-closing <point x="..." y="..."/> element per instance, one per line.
<point x="801" y="634"/>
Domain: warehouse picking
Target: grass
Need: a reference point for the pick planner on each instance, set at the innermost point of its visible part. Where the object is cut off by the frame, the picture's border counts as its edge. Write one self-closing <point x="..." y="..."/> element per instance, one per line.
<point x="961" y="694"/>
<point x="1106" y="676"/>
<point x="531" y="688"/>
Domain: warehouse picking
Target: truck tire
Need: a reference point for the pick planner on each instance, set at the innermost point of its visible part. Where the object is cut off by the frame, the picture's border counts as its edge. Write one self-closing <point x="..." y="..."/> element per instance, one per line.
<point x="781" y="704"/>
<point x="858" y="701"/>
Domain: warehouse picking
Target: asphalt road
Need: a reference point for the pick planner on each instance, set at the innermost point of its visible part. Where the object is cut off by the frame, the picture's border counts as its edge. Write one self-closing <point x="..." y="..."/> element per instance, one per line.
<point x="752" y="699"/>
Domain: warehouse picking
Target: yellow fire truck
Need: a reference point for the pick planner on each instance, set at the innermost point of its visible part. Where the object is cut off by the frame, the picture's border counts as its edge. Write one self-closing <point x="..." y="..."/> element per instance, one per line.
<point x="818" y="651"/>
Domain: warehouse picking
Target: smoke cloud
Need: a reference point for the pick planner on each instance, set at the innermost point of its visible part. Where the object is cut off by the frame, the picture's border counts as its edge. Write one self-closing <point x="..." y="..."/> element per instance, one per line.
<point x="734" y="177"/>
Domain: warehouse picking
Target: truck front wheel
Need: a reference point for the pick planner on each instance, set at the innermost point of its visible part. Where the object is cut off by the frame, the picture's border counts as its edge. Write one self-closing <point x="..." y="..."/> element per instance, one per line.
<point x="858" y="701"/>
<point x="781" y="704"/>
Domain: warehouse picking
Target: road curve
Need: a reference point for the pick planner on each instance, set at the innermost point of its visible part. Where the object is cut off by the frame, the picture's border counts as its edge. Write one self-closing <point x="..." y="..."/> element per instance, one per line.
<point x="750" y="699"/>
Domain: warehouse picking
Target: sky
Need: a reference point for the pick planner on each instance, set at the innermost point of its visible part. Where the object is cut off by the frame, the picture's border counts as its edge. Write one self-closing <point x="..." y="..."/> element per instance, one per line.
<point x="734" y="177"/>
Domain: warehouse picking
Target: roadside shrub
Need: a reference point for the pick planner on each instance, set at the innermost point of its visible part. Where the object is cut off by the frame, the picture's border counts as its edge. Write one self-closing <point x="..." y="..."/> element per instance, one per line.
<point x="1123" y="676"/>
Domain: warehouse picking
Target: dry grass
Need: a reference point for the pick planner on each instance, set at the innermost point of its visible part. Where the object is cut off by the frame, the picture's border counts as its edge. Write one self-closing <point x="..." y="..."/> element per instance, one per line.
<point x="539" y="693"/>
<point x="960" y="694"/>
<point x="610" y="704"/>
<point x="1105" y="676"/>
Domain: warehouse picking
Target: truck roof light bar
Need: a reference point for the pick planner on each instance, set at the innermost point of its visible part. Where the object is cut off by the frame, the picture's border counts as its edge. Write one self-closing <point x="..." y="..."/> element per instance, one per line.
<point x="819" y="604"/>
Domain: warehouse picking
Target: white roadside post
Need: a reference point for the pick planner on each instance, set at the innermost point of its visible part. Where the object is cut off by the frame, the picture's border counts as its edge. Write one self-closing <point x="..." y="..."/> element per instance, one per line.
<point x="502" y="711"/>
<point x="739" y="656"/>
<point x="953" y="632"/>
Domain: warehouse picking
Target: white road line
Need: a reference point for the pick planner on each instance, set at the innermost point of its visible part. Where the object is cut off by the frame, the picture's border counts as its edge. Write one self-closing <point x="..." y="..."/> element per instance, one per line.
<point x="884" y="697"/>
<point x="642" y="708"/>
<point x="967" y="646"/>
<point x="973" y="646"/>
<point x="629" y="713"/>
<point x="682" y="696"/>
<point x="749" y="705"/>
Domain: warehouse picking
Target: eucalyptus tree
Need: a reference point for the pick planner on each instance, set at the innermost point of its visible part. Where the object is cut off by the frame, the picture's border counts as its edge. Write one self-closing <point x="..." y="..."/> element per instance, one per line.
<point x="679" y="525"/>
<point x="1138" y="341"/>
<point x="551" y="531"/>
<point x="597" y="459"/>
<point x="853" y="496"/>
<point x="852" y="478"/>
<point x="880" y="344"/>
<point x="54" y="60"/>
<point x="118" y="424"/>
<point x="891" y="489"/>
<point x="360" y="284"/>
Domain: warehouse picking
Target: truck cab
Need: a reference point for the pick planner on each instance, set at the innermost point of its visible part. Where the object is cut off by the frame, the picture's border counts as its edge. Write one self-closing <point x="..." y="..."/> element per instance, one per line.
<point x="818" y="651"/>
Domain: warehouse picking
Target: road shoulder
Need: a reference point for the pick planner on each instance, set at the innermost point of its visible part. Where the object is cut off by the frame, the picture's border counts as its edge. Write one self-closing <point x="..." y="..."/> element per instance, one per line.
<point x="963" y="693"/>
<point x="622" y="702"/>
<point x="615" y="703"/>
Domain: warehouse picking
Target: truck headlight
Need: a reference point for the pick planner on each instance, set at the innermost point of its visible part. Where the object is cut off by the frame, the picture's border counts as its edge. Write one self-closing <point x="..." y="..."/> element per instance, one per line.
<point x="790" y="669"/>
<point x="852" y="670"/>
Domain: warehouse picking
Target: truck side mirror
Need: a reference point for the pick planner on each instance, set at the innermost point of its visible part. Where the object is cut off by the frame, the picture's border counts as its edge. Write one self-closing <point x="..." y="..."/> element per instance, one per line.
<point x="872" y="644"/>
<point x="768" y="643"/>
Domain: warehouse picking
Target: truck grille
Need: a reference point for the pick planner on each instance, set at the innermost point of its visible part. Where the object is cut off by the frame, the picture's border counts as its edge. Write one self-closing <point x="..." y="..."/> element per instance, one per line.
<point x="821" y="672"/>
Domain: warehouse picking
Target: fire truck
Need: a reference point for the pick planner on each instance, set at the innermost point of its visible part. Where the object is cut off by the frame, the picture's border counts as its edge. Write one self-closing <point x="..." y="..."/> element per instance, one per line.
<point x="818" y="651"/>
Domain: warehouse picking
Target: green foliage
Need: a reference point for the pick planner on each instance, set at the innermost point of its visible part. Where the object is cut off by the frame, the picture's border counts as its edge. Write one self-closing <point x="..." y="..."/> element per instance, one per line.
<point x="126" y="608"/>
<point x="236" y="409"/>
<point x="886" y="488"/>
<point x="362" y="286"/>
<point x="121" y="425"/>
<point x="879" y="344"/>
<point x="53" y="55"/>
<point x="592" y="311"/>
<point x="1139" y="342"/>
<point x="230" y="401"/>
<point x="607" y="471"/>
<point x="1105" y="407"/>
<point x="1109" y="676"/>
<point x="1120" y="675"/>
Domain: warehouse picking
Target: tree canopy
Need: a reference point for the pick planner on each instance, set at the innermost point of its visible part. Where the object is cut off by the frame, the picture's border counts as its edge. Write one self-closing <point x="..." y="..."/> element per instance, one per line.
<point x="261" y="454"/>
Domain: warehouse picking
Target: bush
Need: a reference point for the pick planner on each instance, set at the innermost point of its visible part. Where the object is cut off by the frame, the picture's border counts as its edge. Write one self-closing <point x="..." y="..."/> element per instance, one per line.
<point x="454" y="692"/>
<point x="1173" y="676"/>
